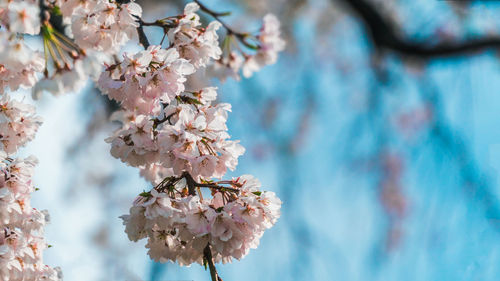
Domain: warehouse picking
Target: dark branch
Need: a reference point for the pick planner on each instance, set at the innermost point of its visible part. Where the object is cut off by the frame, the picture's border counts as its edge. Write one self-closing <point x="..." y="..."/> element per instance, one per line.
<point x="143" y="39"/>
<point x="207" y="255"/>
<point x="218" y="187"/>
<point x="386" y="37"/>
<point x="216" y="15"/>
<point x="191" y="183"/>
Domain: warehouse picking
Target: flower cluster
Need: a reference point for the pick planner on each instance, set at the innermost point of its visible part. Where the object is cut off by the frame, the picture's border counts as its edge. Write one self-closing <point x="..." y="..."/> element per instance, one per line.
<point x="19" y="64"/>
<point x="198" y="45"/>
<point x="18" y="124"/>
<point x="178" y="139"/>
<point x="144" y="81"/>
<point x="179" y="226"/>
<point x="21" y="226"/>
<point x="190" y="136"/>
<point x="99" y="29"/>
<point x="268" y="44"/>
<point x="101" y="25"/>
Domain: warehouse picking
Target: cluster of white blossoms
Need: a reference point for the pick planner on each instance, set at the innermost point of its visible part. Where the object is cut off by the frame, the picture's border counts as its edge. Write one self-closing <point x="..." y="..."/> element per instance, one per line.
<point x="190" y="136"/>
<point x="98" y="29"/>
<point x="198" y="45"/>
<point x="178" y="139"/>
<point x="101" y="25"/>
<point x="19" y="64"/>
<point x="21" y="226"/>
<point x="143" y="81"/>
<point x="268" y="44"/>
<point x="179" y="226"/>
<point x="18" y="124"/>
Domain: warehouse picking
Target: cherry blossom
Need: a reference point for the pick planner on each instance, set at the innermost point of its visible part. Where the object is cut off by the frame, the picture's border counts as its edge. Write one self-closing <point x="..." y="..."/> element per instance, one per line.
<point x="20" y="16"/>
<point x="190" y="136"/>
<point x="228" y="66"/>
<point x="21" y="226"/>
<point x="18" y="124"/>
<point x="145" y="80"/>
<point x="19" y="64"/>
<point x="267" y="44"/>
<point x="67" y="66"/>
<point x="198" y="45"/>
<point x="179" y="226"/>
<point x="102" y="25"/>
<point x="178" y="140"/>
<point x="176" y="136"/>
<point x="270" y="44"/>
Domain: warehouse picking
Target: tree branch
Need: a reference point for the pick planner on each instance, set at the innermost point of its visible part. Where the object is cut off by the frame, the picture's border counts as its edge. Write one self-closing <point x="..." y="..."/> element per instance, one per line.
<point x="143" y="39"/>
<point x="241" y="36"/>
<point x="218" y="187"/>
<point x="385" y="36"/>
<point x="217" y="16"/>
<point x="191" y="183"/>
<point x="207" y="255"/>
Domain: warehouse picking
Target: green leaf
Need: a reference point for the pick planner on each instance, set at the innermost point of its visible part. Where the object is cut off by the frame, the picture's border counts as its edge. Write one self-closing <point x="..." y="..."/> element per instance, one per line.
<point x="145" y="194"/>
<point x="258" y="193"/>
<point x="56" y="11"/>
<point x="224" y="14"/>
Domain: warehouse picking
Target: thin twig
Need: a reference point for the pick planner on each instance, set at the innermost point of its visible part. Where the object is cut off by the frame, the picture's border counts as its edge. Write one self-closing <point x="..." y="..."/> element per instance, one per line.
<point x="218" y="187"/>
<point x="217" y="16"/>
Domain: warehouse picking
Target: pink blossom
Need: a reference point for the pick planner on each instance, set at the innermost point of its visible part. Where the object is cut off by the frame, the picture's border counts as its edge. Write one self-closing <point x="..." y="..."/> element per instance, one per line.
<point x="232" y="226"/>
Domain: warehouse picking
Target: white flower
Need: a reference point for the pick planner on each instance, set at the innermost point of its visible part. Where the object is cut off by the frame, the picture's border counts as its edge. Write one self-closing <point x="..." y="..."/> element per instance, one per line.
<point x="23" y="17"/>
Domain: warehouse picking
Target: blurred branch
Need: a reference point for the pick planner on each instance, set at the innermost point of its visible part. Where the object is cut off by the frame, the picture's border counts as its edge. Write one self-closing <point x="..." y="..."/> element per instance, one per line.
<point x="386" y="36"/>
<point x="476" y="186"/>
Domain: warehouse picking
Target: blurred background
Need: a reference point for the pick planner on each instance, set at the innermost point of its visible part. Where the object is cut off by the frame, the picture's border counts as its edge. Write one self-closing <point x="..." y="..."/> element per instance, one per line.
<point x="379" y="128"/>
